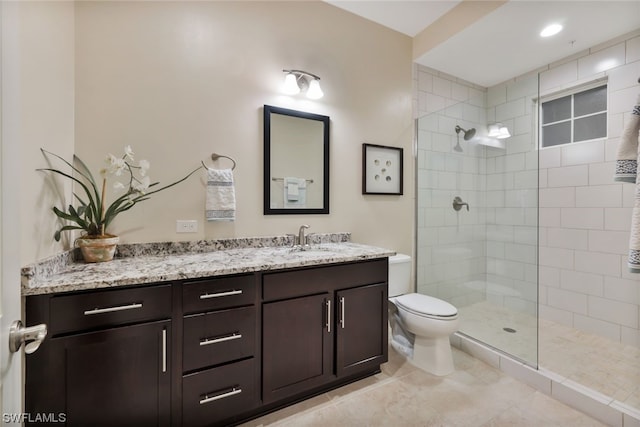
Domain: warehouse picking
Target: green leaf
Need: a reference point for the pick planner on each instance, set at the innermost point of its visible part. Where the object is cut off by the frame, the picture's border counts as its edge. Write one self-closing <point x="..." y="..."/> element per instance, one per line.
<point x="56" y="236"/>
<point x="70" y="217"/>
<point x="94" y="200"/>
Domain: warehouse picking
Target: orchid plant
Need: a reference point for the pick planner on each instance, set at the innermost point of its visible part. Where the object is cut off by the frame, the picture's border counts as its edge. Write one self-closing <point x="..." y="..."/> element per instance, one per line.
<point x="92" y="214"/>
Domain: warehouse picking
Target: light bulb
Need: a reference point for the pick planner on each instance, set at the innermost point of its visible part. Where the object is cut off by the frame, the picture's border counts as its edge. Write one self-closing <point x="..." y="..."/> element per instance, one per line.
<point x="290" y="86"/>
<point x="504" y="133"/>
<point x="314" y="91"/>
<point x="494" y="131"/>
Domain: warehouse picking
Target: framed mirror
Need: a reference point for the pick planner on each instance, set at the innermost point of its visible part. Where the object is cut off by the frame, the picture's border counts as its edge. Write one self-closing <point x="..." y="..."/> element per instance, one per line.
<point x="296" y="162"/>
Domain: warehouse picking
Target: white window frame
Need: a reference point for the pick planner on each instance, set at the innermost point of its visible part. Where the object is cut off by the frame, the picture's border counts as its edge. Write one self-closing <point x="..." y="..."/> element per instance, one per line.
<point x="572" y="92"/>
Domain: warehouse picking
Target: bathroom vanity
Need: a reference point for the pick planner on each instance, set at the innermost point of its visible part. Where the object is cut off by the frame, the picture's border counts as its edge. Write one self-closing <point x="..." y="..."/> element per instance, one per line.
<point x="211" y="338"/>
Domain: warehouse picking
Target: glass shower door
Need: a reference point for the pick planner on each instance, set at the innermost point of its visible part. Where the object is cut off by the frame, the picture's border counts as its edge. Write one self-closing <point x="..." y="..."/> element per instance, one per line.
<point x="477" y="228"/>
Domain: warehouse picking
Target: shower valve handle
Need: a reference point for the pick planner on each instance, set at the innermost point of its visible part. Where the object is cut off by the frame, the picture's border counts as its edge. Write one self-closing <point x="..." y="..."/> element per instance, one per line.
<point x="458" y="204"/>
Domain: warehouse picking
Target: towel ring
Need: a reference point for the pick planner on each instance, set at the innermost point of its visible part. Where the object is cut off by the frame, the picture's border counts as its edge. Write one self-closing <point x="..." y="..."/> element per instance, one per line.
<point x="216" y="156"/>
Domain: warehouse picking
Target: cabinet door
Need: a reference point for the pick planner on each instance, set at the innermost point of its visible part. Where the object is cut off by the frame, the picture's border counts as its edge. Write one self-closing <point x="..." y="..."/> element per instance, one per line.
<point x="361" y="329"/>
<point x="118" y="376"/>
<point x="297" y="345"/>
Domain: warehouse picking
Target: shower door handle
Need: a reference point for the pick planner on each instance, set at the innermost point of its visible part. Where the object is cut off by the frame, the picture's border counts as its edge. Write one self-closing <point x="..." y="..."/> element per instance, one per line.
<point x="458" y="204"/>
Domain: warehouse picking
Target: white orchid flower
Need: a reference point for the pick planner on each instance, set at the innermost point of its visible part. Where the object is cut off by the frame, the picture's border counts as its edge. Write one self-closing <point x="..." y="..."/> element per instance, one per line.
<point x="128" y="152"/>
<point x="141" y="185"/>
<point x="144" y="167"/>
<point x="110" y="159"/>
<point x="118" y="185"/>
<point x="116" y="165"/>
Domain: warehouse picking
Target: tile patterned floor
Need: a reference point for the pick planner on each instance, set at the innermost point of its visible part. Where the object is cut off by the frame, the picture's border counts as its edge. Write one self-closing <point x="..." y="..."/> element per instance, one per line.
<point x="475" y="395"/>
<point x="600" y="364"/>
<point x="610" y="368"/>
<point x="485" y="322"/>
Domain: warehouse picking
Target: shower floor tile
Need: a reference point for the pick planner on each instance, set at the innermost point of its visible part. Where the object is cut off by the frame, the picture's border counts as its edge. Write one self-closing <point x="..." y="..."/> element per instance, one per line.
<point x="486" y="322"/>
<point x="598" y="363"/>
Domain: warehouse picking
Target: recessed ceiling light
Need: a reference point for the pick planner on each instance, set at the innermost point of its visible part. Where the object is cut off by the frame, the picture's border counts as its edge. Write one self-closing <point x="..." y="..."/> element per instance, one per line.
<point x="551" y="30"/>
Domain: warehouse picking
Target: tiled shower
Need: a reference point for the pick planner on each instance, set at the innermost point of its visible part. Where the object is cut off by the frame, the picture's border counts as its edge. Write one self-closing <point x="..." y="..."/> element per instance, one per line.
<point x="483" y="260"/>
<point x="537" y="266"/>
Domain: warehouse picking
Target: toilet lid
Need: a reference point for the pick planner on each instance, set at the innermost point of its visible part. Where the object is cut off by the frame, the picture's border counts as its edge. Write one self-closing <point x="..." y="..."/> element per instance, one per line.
<point x="426" y="305"/>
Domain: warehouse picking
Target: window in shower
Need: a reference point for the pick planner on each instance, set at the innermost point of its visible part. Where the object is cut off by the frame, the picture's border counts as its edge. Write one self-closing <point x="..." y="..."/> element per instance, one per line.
<point x="574" y="117"/>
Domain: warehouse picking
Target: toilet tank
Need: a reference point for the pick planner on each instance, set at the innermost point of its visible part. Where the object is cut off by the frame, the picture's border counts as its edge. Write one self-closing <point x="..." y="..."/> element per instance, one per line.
<point x="399" y="275"/>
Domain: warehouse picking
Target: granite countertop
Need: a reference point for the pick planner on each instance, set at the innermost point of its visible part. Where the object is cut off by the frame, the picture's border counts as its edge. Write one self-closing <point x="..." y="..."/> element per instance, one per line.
<point x="150" y="268"/>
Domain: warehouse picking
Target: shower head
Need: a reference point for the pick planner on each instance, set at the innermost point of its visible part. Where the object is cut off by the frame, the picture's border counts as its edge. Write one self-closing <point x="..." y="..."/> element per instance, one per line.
<point x="468" y="134"/>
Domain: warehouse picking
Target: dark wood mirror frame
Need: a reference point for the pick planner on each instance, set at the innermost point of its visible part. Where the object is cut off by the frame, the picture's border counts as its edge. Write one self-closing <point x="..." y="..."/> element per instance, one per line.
<point x="268" y="210"/>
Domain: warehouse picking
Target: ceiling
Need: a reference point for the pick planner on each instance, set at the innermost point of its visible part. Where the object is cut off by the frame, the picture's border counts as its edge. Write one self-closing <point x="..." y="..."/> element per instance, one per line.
<point x="503" y="43"/>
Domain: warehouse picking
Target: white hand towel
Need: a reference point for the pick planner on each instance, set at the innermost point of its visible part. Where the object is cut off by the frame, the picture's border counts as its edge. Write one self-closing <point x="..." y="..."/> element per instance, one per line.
<point x="292" y="188"/>
<point x="627" y="155"/>
<point x="295" y="192"/>
<point x="220" y="204"/>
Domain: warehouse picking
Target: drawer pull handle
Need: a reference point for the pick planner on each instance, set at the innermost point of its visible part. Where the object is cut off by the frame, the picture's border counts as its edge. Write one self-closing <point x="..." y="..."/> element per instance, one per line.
<point x="220" y="294"/>
<point x="328" y="325"/>
<point x="208" y="399"/>
<point x="342" y="312"/>
<point x="112" y="309"/>
<point x="234" y="336"/>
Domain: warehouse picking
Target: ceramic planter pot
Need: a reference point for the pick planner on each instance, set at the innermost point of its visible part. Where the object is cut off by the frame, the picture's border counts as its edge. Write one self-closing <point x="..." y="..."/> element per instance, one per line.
<point x="98" y="249"/>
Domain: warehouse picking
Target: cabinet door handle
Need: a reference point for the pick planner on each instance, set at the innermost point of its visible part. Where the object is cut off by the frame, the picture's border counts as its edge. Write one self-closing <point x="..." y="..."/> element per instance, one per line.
<point x="221" y="294"/>
<point x="342" y="312"/>
<point x="112" y="309"/>
<point x="235" y="390"/>
<point x="233" y="336"/>
<point x="328" y="325"/>
<point x="164" y="349"/>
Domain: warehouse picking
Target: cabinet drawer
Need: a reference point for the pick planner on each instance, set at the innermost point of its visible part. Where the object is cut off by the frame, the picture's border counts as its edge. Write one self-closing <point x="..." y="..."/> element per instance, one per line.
<point x="289" y="284"/>
<point x="218" y="394"/>
<point x="92" y="310"/>
<point x="218" y="337"/>
<point x="218" y="293"/>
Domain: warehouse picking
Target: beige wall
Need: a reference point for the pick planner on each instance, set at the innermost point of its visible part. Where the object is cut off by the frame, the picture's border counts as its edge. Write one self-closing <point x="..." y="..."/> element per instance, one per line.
<point x="180" y="80"/>
<point x="38" y="102"/>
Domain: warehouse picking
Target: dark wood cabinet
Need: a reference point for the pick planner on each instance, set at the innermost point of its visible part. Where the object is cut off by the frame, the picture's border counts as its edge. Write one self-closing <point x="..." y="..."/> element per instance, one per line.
<point x="215" y="396"/>
<point x="361" y="331"/>
<point x="220" y="350"/>
<point x="107" y="360"/>
<point x="114" y="377"/>
<point x="333" y="332"/>
<point x="206" y="352"/>
<point x="297" y="352"/>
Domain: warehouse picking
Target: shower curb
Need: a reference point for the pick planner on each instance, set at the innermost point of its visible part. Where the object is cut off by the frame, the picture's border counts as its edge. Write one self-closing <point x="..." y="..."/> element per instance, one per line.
<point x="597" y="405"/>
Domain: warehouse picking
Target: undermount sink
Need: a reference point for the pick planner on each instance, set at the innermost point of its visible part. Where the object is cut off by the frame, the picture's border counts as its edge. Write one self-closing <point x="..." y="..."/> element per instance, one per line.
<point x="308" y="248"/>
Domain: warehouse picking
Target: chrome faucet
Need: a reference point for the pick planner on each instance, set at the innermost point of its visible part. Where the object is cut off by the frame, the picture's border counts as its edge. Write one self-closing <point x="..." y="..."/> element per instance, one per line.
<point x="302" y="239"/>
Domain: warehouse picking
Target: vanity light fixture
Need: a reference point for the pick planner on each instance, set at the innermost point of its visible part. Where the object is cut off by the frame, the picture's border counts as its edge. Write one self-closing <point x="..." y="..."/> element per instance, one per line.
<point x="297" y="81"/>
<point x="499" y="131"/>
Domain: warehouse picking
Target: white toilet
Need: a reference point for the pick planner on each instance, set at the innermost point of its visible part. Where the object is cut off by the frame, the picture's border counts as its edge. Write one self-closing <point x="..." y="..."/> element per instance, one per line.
<point x="429" y="321"/>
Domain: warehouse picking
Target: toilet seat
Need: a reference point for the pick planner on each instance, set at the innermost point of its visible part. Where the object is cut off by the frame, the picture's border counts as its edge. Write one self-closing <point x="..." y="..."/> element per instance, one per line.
<point x="426" y="306"/>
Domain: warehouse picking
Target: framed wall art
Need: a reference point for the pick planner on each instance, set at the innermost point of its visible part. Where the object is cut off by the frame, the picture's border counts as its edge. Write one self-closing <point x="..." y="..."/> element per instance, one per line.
<point x="381" y="169"/>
